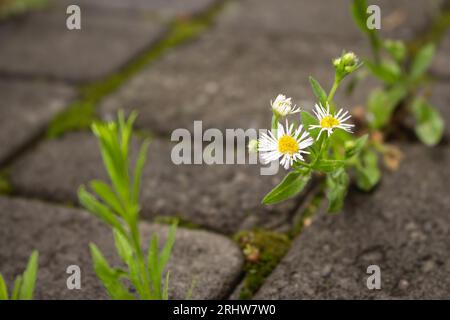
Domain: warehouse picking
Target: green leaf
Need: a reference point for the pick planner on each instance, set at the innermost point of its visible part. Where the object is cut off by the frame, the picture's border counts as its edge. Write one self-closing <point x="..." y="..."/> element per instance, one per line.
<point x="108" y="196"/>
<point x="353" y="148"/>
<point x="382" y="104"/>
<point x="153" y="270"/>
<point x="292" y="184"/>
<point x="142" y="157"/>
<point x="3" y="289"/>
<point x="309" y="120"/>
<point x="396" y="49"/>
<point x="336" y="189"/>
<point x="429" y="124"/>
<point x="165" y="294"/>
<point x="126" y="253"/>
<point x="90" y="203"/>
<point x="422" y="60"/>
<point x="318" y="91"/>
<point x="16" y="290"/>
<point x="164" y="256"/>
<point x="387" y="71"/>
<point x="359" y="14"/>
<point x="328" y="165"/>
<point x="109" y="277"/>
<point x="29" y="278"/>
<point x="367" y="171"/>
<point x="124" y="248"/>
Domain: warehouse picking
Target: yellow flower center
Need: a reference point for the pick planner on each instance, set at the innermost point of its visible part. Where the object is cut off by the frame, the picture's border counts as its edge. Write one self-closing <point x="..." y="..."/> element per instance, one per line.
<point x="329" y="122"/>
<point x="287" y="144"/>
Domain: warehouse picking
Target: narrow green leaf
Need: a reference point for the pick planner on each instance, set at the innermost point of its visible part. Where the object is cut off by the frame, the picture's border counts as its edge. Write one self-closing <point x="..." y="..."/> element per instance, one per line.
<point x="386" y="71"/>
<point x="429" y="123"/>
<point x="152" y="263"/>
<point x="90" y="203"/>
<point x="124" y="248"/>
<point x="165" y="295"/>
<point x="3" y="289"/>
<point x="353" y="148"/>
<point x="164" y="256"/>
<point x="423" y="60"/>
<point x="328" y="165"/>
<point x="105" y="192"/>
<point x="126" y="253"/>
<point x="292" y="184"/>
<point x="140" y="163"/>
<point x="320" y="94"/>
<point x="29" y="278"/>
<point x="358" y="10"/>
<point x="336" y="189"/>
<point x="367" y="172"/>
<point x="109" y="277"/>
<point x="16" y="290"/>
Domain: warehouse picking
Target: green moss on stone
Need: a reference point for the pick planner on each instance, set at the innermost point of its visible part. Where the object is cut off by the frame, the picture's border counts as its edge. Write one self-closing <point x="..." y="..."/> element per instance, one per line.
<point x="10" y="8"/>
<point x="5" y="184"/>
<point x="263" y="250"/>
<point x="169" y="220"/>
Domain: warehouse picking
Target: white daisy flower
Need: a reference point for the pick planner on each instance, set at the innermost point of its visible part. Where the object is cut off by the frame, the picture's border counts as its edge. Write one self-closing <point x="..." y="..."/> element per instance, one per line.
<point x="287" y="145"/>
<point x="282" y="106"/>
<point x="328" y="122"/>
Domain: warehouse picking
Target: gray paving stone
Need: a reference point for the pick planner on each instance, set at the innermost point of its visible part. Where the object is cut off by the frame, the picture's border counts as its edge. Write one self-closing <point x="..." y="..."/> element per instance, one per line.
<point x="62" y="236"/>
<point x="440" y="66"/>
<point x="329" y="19"/>
<point x="41" y="45"/>
<point x="163" y="9"/>
<point x="25" y="110"/>
<point x="220" y="197"/>
<point x="403" y="227"/>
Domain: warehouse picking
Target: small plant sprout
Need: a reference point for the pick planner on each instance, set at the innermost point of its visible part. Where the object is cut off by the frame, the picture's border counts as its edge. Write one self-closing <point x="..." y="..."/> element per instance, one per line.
<point x="24" y="284"/>
<point x="402" y="70"/>
<point x="305" y="151"/>
<point x="117" y="204"/>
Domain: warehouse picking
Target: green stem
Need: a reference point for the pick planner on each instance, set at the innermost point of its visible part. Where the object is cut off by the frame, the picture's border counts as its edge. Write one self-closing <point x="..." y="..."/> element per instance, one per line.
<point x="140" y="259"/>
<point x="275" y="122"/>
<point x="333" y="90"/>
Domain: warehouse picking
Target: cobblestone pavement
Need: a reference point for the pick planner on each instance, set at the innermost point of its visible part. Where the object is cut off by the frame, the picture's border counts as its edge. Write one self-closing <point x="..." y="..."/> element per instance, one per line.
<point x="226" y="77"/>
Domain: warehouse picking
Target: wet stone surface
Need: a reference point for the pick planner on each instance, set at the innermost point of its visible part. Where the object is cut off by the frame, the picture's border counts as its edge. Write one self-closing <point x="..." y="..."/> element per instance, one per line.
<point x="25" y="110"/>
<point x="224" y="198"/>
<point x="403" y="227"/>
<point x="62" y="235"/>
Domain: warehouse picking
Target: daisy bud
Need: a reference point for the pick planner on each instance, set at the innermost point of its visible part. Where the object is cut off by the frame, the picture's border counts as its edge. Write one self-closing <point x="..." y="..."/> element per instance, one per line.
<point x="253" y="146"/>
<point x="345" y="64"/>
<point x="282" y="106"/>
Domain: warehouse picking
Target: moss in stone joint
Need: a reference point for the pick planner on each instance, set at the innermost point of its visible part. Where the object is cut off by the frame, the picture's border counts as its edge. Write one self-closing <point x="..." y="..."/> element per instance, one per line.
<point x="169" y="220"/>
<point x="81" y="113"/>
<point x="5" y="184"/>
<point x="263" y="250"/>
